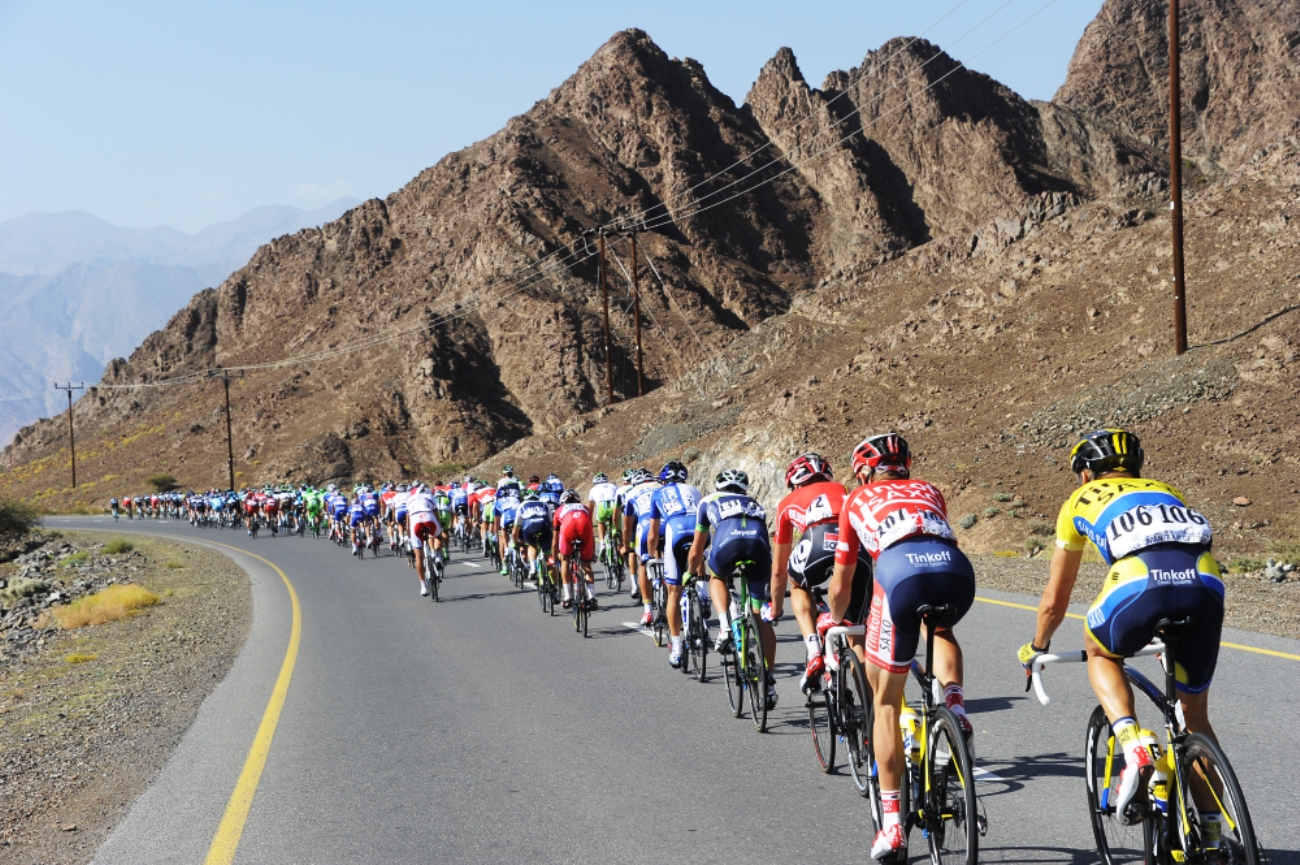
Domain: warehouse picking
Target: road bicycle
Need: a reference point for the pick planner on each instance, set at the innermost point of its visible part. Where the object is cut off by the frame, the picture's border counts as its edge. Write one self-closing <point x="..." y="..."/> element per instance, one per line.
<point x="840" y="708"/>
<point x="433" y="571"/>
<point x="1195" y="810"/>
<point x="938" y="790"/>
<point x="745" y="666"/>
<point x="695" y="628"/>
<point x="578" y="584"/>
<point x="546" y="589"/>
<point x="613" y="562"/>
<point x="659" y="600"/>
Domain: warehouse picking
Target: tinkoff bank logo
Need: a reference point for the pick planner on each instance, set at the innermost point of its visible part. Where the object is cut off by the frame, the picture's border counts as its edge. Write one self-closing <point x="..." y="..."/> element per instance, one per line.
<point x="1164" y="576"/>
<point x="930" y="560"/>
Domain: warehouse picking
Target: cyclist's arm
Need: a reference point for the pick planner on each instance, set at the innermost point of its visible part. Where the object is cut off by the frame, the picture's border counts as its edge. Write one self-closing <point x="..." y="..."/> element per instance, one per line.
<point x="628" y="522"/>
<point x="1056" y="596"/>
<point x="780" y="576"/>
<point x="652" y="539"/>
<point x="695" y="560"/>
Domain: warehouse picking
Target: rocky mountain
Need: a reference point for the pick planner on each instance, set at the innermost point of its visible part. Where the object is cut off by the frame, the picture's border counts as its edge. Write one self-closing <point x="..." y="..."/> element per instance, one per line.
<point x="1240" y="75"/>
<point x="76" y="291"/>
<point x="923" y="231"/>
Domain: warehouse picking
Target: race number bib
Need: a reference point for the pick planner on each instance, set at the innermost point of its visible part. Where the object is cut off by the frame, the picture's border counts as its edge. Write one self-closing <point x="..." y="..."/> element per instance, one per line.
<point x="1147" y="525"/>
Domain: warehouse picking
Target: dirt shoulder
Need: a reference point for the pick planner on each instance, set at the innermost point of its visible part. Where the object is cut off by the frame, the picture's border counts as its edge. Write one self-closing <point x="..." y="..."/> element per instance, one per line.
<point x="1253" y="603"/>
<point x="88" y="717"/>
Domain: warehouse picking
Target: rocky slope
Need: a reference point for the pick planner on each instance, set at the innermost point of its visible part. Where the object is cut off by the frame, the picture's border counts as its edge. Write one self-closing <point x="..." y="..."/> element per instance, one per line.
<point x="925" y="233"/>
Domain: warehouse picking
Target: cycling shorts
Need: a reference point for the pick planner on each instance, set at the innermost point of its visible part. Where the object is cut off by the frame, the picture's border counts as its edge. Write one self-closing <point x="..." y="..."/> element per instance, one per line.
<point x="913" y="572"/>
<point x="731" y="547"/>
<point x="536" y="533"/>
<point x="489" y="512"/>
<point x="356" y="519"/>
<point x="643" y="541"/>
<point x="1158" y="582"/>
<point x="576" y="528"/>
<point x="507" y="517"/>
<point x="679" y="532"/>
<point x="423" y="526"/>
<point x="400" y="515"/>
<point x="604" y="512"/>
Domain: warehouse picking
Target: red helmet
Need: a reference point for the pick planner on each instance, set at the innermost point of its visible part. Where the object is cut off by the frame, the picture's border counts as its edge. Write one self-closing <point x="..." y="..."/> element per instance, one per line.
<point x="884" y="452"/>
<point x="806" y="468"/>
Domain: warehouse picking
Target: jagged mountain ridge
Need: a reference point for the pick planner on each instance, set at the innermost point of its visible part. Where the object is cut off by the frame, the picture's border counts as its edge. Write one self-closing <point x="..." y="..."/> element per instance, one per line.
<point x="630" y="130"/>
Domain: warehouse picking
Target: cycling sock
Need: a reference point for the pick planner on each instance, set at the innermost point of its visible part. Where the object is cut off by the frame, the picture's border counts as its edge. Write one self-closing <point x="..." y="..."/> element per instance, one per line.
<point x="955" y="699"/>
<point x="891" y="807"/>
<point x="814" y="644"/>
<point x="677" y="642"/>
<point x="591" y="594"/>
<point x="566" y="591"/>
<point x="724" y="621"/>
<point x="649" y="608"/>
<point x="1127" y="732"/>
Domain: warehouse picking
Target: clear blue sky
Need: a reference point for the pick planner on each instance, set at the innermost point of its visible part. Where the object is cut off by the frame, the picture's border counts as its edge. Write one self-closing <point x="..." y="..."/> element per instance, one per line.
<point x="187" y="113"/>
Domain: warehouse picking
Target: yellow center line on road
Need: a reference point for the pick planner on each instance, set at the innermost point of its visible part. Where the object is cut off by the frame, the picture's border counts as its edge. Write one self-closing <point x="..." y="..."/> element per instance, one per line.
<point x="226" y="841"/>
<point x="1256" y="649"/>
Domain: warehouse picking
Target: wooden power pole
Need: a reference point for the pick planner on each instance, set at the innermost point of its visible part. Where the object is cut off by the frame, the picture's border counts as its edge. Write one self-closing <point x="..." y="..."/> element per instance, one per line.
<point x="225" y="376"/>
<point x="72" y="437"/>
<point x="604" y="299"/>
<point x="636" y="314"/>
<point x="1176" y="183"/>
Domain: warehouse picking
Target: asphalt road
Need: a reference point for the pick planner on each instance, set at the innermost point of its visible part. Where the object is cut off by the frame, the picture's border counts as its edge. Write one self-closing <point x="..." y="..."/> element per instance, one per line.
<point x="479" y="730"/>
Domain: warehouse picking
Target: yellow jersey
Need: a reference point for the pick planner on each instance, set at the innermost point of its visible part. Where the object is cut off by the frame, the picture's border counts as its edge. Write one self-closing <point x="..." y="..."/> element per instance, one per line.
<point x="1123" y="515"/>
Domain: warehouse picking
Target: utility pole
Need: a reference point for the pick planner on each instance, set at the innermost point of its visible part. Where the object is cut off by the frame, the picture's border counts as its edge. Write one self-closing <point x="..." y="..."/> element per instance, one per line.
<point x="636" y="314"/>
<point x="604" y="299"/>
<point x="225" y="376"/>
<point x="1176" y="183"/>
<point x="72" y="438"/>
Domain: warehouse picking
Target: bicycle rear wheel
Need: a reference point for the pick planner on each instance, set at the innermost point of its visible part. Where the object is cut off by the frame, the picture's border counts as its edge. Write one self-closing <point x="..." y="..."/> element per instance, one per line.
<point x="660" y="611"/>
<point x="1103" y="763"/>
<point x="856" y="717"/>
<point x="755" y="671"/>
<point x="697" y="636"/>
<point x="1214" y="791"/>
<point x="951" y="814"/>
<point x="735" y="687"/>
<point x="544" y="595"/>
<point x="822" y="725"/>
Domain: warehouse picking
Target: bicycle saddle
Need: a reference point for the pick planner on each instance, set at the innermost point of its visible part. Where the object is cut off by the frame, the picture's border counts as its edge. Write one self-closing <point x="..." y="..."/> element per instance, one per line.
<point x="935" y="611"/>
<point x="1166" y="628"/>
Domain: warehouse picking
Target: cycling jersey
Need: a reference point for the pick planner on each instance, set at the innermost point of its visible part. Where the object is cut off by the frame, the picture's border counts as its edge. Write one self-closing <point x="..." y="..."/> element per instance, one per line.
<point x="675" y="506"/>
<point x="879" y="515"/>
<point x="369" y="503"/>
<point x="1123" y="515"/>
<point x="508" y="482"/>
<point x="813" y="512"/>
<point x="602" y="499"/>
<point x="739" y="528"/>
<point x="534" y="520"/>
<point x="637" y="504"/>
<point x="356" y="513"/>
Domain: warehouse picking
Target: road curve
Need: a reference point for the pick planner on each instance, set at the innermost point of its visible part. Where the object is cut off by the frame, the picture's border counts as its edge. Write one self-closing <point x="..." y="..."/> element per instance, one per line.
<point x="479" y="730"/>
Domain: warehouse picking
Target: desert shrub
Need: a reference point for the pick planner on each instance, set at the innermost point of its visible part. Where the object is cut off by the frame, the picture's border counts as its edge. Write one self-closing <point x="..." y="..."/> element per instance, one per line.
<point x="968" y="521"/>
<point x="17" y="518"/>
<point x="75" y="559"/>
<point x="162" y="483"/>
<point x="80" y="658"/>
<point x="175" y="564"/>
<point x="23" y="587"/>
<point x="1041" y="527"/>
<point x="1033" y="545"/>
<point x="991" y="512"/>
<point x="110" y="605"/>
<point x="118" y="545"/>
<point x="1007" y="554"/>
<point x="1002" y="497"/>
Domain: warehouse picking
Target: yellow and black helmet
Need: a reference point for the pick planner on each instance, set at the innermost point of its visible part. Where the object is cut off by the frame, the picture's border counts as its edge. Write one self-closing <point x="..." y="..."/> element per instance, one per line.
<point x="1107" y="450"/>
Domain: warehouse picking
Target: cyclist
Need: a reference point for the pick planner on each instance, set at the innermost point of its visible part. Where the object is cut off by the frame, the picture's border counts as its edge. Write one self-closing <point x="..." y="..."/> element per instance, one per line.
<point x="113" y="506"/>
<point x="573" y="523"/>
<point x="507" y="506"/>
<point x="533" y="527"/>
<point x="636" y="525"/>
<point x="442" y="504"/>
<point x="357" y="522"/>
<point x="903" y="524"/>
<point x="673" y="508"/>
<point x="812" y="510"/>
<point x="620" y="499"/>
<point x="460" y="507"/>
<point x="600" y="504"/>
<point x="1158" y="551"/>
<point x="508" y="479"/>
<point x="739" y="534"/>
<point x="424" y="529"/>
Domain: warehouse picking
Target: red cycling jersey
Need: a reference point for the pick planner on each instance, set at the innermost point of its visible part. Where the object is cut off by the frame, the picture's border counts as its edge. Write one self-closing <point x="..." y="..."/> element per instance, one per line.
<point x="881" y="514"/>
<point x="807" y="506"/>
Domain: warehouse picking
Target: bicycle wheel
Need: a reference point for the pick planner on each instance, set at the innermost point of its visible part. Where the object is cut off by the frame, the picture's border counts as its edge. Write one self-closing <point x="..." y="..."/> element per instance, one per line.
<point x="856" y="717"/>
<point x="544" y="595"/>
<point x="950" y="810"/>
<point x="822" y="726"/>
<point x="1220" y="827"/>
<point x="735" y="688"/>
<point x="1103" y="763"/>
<point x="697" y="636"/>
<point x="755" y="671"/>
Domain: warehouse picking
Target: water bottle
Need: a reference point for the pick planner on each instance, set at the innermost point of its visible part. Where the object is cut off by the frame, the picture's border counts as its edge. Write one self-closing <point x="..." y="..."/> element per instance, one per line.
<point x="910" y="726"/>
<point x="766" y="612"/>
<point x="686" y="613"/>
<point x="1158" y="786"/>
<point x="735" y="633"/>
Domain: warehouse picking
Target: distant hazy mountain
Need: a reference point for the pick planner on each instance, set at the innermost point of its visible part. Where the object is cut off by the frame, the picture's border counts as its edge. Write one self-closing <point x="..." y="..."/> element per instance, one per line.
<point x="76" y="292"/>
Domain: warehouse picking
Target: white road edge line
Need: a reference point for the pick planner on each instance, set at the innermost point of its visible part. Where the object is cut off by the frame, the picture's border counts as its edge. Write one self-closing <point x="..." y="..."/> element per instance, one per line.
<point x="986" y="775"/>
<point x="636" y="627"/>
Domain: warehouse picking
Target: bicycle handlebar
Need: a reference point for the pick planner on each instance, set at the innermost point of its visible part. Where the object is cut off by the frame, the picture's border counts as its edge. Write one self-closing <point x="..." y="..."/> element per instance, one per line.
<point x="1075" y="657"/>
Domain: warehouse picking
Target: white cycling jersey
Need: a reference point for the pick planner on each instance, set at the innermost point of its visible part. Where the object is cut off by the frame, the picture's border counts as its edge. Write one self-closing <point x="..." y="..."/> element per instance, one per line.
<point x="602" y="493"/>
<point x="419" y="503"/>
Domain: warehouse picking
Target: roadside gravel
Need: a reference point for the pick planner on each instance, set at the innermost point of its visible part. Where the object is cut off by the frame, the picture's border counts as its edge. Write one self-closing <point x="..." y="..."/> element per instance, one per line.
<point x="79" y="741"/>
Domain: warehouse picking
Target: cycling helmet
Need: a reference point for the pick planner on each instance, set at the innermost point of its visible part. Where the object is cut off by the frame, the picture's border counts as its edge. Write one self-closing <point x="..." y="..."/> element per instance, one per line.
<point x="673" y="472"/>
<point x="883" y="452"/>
<point x="570" y="497"/>
<point x="534" y="479"/>
<point x="600" y="478"/>
<point x="509" y="470"/>
<point x="401" y="488"/>
<point x="628" y="474"/>
<point x="531" y="495"/>
<point x="806" y="468"/>
<point x="731" y="480"/>
<point x="1108" y="450"/>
